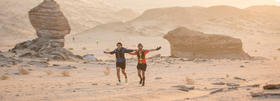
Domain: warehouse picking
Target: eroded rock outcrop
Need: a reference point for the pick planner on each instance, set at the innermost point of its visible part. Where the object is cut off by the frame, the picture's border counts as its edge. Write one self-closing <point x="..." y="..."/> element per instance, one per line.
<point x="51" y="27"/>
<point x="186" y="43"/>
<point x="7" y="61"/>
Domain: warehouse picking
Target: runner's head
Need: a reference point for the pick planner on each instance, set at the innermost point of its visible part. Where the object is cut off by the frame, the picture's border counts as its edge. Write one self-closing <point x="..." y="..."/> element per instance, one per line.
<point x="140" y="46"/>
<point x="119" y="45"/>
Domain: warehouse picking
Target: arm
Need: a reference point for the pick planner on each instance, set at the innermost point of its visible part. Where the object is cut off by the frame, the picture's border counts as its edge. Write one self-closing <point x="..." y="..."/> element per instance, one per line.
<point x="129" y="50"/>
<point x="133" y="53"/>
<point x="158" y="48"/>
<point x="112" y="52"/>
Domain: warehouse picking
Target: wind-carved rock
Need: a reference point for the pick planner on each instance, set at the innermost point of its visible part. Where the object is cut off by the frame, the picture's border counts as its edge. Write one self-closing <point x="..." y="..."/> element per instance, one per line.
<point x="186" y="43"/>
<point x="51" y="27"/>
<point x="48" y="21"/>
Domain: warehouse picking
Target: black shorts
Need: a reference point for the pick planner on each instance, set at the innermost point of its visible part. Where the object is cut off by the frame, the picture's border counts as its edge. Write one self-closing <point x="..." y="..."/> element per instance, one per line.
<point x="121" y="65"/>
<point x="142" y="66"/>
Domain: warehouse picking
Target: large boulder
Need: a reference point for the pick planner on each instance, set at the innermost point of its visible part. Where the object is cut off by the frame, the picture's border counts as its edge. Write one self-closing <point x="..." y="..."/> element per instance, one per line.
<point x="49" y="21"/>
<point x="51" y="27"/>
<point x="187" y="43"/>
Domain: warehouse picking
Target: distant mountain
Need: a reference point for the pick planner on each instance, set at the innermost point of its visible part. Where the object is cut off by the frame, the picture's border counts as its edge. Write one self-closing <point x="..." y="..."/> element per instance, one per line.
<point x="273" y="10"/>
<point x="149" y="4"/>
<point x="215" y="19"/>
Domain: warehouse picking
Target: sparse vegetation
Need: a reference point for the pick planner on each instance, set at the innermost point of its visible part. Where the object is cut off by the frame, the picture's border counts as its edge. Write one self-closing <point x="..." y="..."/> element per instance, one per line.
<point x="193" y="73"/>
<point x="107" y="72"/>
<point x="49" y="72"/>
<point x="4" y="77"/>
<point x="84" y="48"/>
<point x="189" y="81"/>
<point x="23" y="71"/>
<point x="227" y="76"/>
<point x="71" y="48"/>
<point x="65" y="73"/>
<point x="212" y="19"/>
<point x="278" y="49"/>
<point x="275" y="58"/>
<point x="107" y="49"/>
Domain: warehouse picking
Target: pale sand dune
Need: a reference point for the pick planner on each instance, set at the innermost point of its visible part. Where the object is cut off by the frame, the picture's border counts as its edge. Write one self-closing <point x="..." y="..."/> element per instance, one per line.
<point x="148" y="4"/>
<point x="84" y="14"/>
<point x="221" y="19"/>
<point x="108" y="40"/>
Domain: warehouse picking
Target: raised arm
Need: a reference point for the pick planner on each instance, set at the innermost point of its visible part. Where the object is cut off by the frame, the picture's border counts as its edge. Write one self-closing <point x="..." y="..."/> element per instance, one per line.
<point x="112" y="52"/>
<point x="158" y="48"/>
<point x="133" y="53"/>
<point x="129" y="50"/>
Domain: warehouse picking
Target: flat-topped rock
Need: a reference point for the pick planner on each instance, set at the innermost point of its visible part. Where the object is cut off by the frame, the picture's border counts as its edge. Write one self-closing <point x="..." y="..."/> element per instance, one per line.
<point x="187" y="43"/>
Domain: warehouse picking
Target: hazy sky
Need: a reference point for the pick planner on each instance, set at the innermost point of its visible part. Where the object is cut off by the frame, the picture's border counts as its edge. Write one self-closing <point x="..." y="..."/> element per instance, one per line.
<point x="146" y="4"/>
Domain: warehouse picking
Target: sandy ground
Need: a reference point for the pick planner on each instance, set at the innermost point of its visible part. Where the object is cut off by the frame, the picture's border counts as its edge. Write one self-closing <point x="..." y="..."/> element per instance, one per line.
<point x="96" y="81"/>
<point x="88" y="81"/>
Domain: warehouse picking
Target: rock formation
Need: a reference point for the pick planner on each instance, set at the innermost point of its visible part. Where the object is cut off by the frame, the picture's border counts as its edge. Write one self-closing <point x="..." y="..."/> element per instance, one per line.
<point x="48" y="21"/>
<point x="51" y="26"/>
<point x="186" y="43"/>
<point x="7" y="61"/>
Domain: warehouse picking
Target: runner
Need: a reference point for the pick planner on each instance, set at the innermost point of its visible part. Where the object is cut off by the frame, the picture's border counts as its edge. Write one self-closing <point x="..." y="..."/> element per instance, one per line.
<point x="141" y="66"/>
<point x="120" y="60"/>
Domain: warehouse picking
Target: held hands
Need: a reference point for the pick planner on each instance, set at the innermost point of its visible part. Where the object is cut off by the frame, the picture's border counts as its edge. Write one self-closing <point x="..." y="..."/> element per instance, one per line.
<point x="158" y="48"/>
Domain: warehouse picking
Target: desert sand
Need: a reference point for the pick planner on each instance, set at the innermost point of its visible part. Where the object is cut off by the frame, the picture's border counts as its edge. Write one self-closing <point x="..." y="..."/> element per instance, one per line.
<point x="168" y="78"/>
<point x="94" y="82"/>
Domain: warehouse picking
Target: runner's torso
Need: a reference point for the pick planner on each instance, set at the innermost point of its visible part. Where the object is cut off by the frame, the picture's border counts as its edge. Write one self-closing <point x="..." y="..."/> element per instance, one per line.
<point x="120" y="54"/>
<point x="141" y="55"/>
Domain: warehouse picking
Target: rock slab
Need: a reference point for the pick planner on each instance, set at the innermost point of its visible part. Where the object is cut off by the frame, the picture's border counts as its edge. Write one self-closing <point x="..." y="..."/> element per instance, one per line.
<point x="186" y="43"/>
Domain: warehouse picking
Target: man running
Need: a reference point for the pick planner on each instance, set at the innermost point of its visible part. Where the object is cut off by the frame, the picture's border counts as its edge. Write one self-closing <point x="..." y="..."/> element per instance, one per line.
<point x="120" y="60"/>
<point x="141" y="66"/>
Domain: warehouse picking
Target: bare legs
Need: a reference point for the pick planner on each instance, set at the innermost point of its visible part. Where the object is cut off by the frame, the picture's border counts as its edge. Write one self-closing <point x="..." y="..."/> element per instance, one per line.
<point x="123" y="72"/>
<point x="141" y="75"/>
<point x="118" y="73"/>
